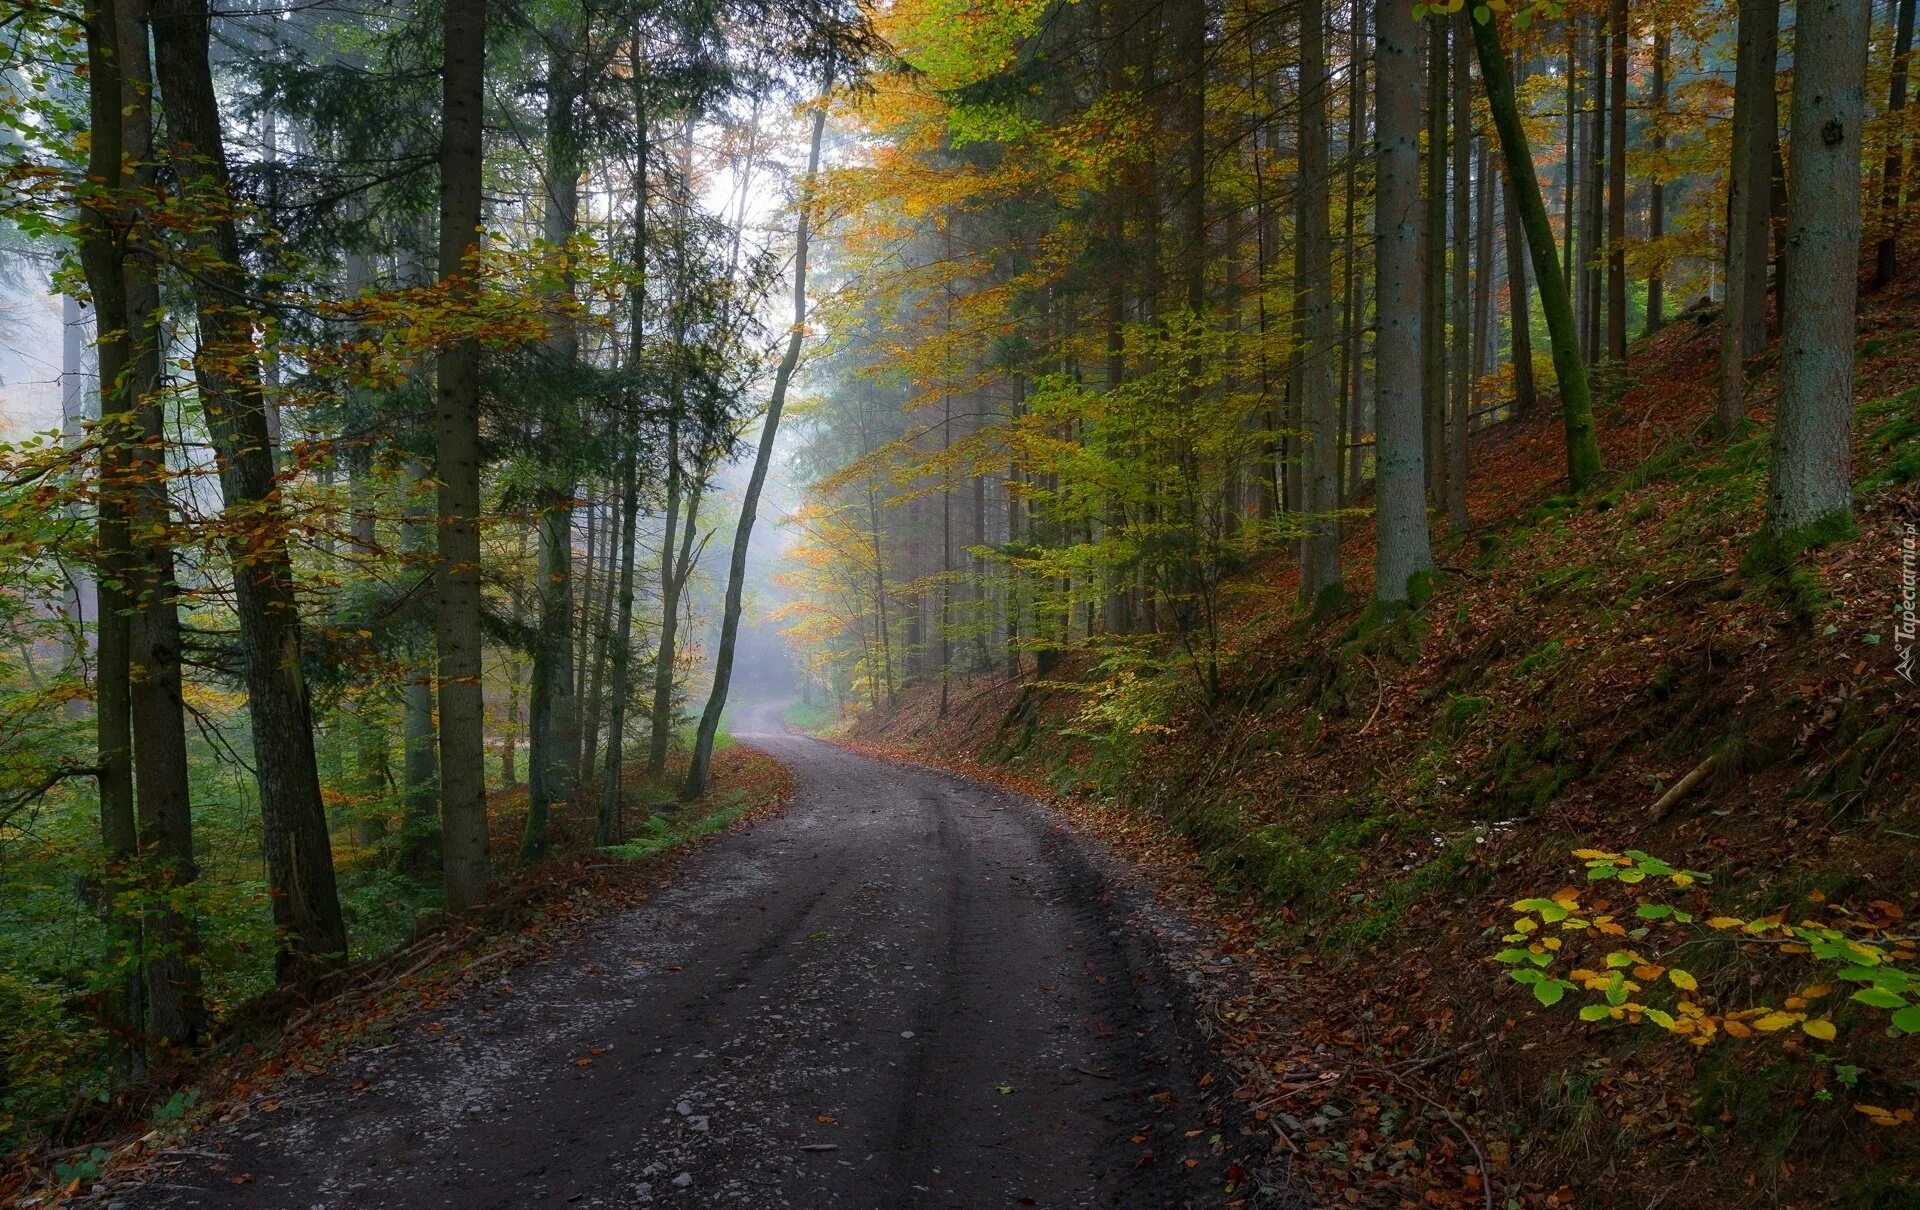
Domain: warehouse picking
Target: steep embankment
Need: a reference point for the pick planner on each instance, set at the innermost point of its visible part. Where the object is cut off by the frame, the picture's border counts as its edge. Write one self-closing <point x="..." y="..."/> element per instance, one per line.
<point x="1616" y="670"/>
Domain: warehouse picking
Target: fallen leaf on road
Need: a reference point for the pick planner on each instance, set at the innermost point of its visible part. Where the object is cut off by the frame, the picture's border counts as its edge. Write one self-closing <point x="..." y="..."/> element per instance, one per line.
<point x="826" y="1119"/>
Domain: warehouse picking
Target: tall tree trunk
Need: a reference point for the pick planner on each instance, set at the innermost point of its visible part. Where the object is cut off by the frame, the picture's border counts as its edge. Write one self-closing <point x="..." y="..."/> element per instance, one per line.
<point x="1576" y="400"/>
<point x="1434" y="329"/>
<point x="621" y="647"/>
<point x="1617" y="186"/>
<point x="1570" y="171"/>
<point x="306" y="904"/>
<point x="697" y="769"/>
<point x="1353" y="286"/>
<point x="666" y="654"/>
<point x="1886" y="252"/>
<point x="1594" y="209"/>
<point x="1743" y="320"/>
<point x="1525" y="393"/>
<point x="595" y="699"/>
<point x="174" y="1015"/>
<point x="1404" y="549"/>
<point x="463" y="792"/>
<point x="102" y="254"/>
<point x="419" y="852"/>
<point x="1812" y="436"/>
<point x="1656" y="183"/>
<point x="74" y="394"/>
<point x="1320" y="568"/>
<point x="553" y="706"/>
<point x="607" y="818"/>
<point x="1486" y="355"/>
<point x="1461" y="241"/>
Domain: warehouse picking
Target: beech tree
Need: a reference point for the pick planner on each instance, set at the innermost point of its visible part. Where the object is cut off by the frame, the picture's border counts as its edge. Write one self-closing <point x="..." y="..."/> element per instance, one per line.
<point x="1811" y="482"/>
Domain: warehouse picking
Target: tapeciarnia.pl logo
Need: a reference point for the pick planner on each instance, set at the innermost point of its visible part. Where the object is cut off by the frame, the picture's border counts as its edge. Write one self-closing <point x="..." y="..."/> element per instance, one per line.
<point x="1903" y="613"/>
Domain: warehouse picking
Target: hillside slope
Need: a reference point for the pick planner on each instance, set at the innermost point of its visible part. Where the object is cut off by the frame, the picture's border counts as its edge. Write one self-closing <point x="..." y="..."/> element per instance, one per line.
<point x="1621" y="670"/>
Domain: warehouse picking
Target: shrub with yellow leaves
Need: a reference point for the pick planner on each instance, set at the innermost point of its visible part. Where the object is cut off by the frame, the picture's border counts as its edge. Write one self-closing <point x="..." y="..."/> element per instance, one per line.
<point x="1858" y="947"/>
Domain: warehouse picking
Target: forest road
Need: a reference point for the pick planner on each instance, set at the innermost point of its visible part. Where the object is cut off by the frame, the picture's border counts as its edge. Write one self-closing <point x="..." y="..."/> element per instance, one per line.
<point x="909" y="990"/>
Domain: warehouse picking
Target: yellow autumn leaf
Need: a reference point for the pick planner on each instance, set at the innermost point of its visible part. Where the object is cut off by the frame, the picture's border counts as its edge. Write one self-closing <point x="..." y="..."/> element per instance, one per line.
<point x="1724" y="922"/>
<point x="1736" y="1029"/>
<point x="1682" y="980"/>
<point x="1822" y="1030"/>
<point x="1773" y="1021"/>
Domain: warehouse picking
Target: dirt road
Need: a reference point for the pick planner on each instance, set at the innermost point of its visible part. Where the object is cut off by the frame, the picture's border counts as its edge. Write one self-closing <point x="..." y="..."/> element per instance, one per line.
<point x="908" y="990"/>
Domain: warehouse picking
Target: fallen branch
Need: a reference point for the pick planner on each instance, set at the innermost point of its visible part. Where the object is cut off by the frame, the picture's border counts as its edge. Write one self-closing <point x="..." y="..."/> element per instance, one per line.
<point x="1684" y="787"/>
<point x="1380" y="696"/>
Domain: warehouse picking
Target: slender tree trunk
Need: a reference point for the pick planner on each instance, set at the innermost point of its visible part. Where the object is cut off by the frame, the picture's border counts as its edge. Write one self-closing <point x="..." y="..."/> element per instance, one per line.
<point x="1812" y="436"/>
<point x="1617" y="186"/>
<point x="1404" y="549"/>
<point x="463" y="793"/>
<point x="1576" y="400"/>
<point x="614" y="541"/>
<point x="1320" y="569"/>
<point x="1434" y="330"/>
<point x="663" y="664"/>
<point x="419" y="852"/>
<point x="1886" y="252"/>
<point x="79" y="589"/>
<point x="510" y="726"/>
<point x="553" y="707"/>
<point x="1594" y="208"/>
<point x="697" y="770"/>
<point x="607" y="819"/>
<point x="1485" y="353"/>
<point x="1743" y="320"/>
<point x="1353" y="288"/>
<point x="313" y="936"/>
<point x="1570" y="171"/>
<point x="1461" y="241"/>
<point x="1657" y="185"/>
<point x="1525" y="392"/>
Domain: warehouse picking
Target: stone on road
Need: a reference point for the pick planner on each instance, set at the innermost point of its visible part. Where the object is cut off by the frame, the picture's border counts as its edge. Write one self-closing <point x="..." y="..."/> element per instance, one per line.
<point x="909" y="989"/>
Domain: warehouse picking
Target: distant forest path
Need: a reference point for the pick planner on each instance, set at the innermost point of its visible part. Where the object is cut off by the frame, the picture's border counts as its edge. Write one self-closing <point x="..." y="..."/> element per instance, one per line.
<point x="908" y="990"/>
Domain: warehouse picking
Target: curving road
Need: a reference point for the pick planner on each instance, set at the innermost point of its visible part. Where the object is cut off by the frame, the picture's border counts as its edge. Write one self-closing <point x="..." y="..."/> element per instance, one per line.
<point x="908" y="990"/>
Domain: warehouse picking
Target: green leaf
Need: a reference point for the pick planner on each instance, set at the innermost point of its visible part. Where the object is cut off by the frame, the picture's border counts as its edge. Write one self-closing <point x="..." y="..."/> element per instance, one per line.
<point x="1526" y="974"/>
<point x="1482" y="13"/>
<point x="1879" y="997"/>
<point x="1663" y="1020"/>
<point x="1549" y="991"/>
<point x="1907" y="1020"/>
<point x="1513" y="955"/>
<point x="1550" y="911"/>
<point x="1595" y="1012"/>
<point x="1653" y="911"/>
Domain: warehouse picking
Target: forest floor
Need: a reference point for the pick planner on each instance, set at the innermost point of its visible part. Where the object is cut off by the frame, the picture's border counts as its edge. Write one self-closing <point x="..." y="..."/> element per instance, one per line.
<point x="1355" y="813"/>
<point x="907" y="989"/>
